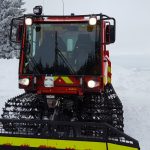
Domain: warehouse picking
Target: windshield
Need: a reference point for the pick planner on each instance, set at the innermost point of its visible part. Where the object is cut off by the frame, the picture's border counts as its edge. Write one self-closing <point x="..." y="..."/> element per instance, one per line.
<point x="63" y="49"/>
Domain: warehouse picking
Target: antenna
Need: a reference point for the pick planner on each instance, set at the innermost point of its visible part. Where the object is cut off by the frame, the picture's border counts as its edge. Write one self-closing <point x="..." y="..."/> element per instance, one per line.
<point x="63" y="7"/>
<point x="43" y="6"/>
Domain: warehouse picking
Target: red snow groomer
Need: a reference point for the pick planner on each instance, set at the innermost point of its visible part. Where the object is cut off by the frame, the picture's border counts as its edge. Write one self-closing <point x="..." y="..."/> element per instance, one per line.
<point x="65" y="70"/>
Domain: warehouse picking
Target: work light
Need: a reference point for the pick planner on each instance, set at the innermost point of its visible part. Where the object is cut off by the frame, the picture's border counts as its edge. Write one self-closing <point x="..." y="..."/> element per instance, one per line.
<point x="28" y="21"/>
<point x="92" y="20"/>
<point x="37" y="10"/>
<point x="91" y="84"/>
<point x="24" y="81"/>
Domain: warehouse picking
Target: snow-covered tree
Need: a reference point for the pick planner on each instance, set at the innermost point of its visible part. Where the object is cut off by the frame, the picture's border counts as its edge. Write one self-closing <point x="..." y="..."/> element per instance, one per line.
<point x="8" y="9"/>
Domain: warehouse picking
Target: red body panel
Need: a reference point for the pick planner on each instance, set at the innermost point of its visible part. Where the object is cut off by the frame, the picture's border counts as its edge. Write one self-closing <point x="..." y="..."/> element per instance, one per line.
<point x="71" y="19"/>
<point x="79" y="84"/>
<point x="103" y="46"/>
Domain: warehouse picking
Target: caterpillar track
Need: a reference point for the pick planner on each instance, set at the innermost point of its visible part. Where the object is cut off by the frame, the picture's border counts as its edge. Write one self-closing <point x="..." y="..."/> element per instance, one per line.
<point x="104" y="107"/>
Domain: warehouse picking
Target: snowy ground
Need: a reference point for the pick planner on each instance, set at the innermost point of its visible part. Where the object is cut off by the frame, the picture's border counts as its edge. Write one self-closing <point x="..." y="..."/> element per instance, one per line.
<point x="131" y="80"/>
<point x="8" y="80"/>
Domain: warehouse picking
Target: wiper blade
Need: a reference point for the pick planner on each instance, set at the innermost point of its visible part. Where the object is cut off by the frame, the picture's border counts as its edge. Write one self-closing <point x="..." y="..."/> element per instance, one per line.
<point x="65" y="61"/>
<point x="58" y="51"/>
<point x="34" y="65"/>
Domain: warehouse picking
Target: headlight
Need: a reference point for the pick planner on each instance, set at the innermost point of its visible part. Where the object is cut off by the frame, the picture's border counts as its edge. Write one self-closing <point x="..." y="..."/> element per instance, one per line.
<point x="92" y="21"/>
<point x="24" y="81"/>
<point x="28" y="21"/>
<point x="91" y="84"/>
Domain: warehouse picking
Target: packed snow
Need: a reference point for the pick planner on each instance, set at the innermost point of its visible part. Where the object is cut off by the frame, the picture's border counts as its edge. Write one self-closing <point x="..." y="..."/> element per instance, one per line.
<point x="131" y="81"/>
<point x="8" y="80"/>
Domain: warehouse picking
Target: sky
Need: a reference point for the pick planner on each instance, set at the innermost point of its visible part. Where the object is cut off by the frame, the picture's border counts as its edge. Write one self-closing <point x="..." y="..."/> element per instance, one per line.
<point x="132" y="16"/>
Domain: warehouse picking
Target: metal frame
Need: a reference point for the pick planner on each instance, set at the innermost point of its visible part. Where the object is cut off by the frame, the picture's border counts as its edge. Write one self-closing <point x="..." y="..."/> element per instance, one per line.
<point x="107" y="133"/>
<point x="11" y="27"/>
<point x="102" y="17"/>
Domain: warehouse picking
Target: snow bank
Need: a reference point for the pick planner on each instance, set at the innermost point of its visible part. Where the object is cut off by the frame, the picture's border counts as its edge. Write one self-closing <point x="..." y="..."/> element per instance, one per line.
<point x="132" y="84"/>
<point x="8" y="80"/>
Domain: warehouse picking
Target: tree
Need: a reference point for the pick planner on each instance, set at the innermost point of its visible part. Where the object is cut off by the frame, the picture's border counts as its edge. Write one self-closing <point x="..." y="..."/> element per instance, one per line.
<point x="8" y="9"/>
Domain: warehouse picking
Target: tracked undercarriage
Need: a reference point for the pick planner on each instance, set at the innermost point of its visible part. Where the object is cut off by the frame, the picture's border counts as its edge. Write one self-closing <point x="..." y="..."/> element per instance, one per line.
<point x="103" y="107"/>
<point x="63" y="124"/>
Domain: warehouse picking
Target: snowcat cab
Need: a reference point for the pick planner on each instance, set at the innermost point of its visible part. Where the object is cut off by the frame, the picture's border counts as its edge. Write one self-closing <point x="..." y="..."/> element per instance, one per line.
<point x="65" y="54"/>
<point x="65" y="70"/>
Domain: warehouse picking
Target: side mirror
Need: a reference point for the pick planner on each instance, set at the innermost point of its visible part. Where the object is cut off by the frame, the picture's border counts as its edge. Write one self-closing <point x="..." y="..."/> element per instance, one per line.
<point x="110" y="34"/>
<point x="19" y="33"/>
<point x="16" y="30"/>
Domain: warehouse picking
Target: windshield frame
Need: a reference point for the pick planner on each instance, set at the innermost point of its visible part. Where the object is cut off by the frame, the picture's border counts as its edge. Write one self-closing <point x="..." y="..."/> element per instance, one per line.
<point x="97" y="34"/>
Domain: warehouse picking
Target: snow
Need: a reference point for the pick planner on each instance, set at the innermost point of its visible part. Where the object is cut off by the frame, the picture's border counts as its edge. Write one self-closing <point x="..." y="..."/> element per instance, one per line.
<point x="131" y="80"/>
<point x="8" y="80"/>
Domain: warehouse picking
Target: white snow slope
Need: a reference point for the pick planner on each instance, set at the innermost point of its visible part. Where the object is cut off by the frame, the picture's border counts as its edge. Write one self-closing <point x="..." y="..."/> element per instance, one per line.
<point x="8" y="80"/>
<point x="131" y="82"/>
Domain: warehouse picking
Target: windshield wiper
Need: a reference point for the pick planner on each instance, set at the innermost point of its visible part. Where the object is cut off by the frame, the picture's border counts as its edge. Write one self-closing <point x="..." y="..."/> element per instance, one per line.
<point x="33" y="61"/>
<point x="34" y="65"/>
<point x="58" y="52"/>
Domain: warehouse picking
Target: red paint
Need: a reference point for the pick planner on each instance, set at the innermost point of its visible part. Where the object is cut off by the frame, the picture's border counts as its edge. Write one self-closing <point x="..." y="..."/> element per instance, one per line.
<point x="7" y="144"/>
<point x="106" y="53"/>
<point x="60" y="86"/>
<point x="71" y="18"/>
<point x="46" y="147"/>
<point x="24" y="146"/>
<point x="103" y="47"/>
<point x="21" y="62"/>
<point x="109" y="74"/>
<point x="22" y="56"/>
